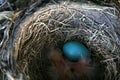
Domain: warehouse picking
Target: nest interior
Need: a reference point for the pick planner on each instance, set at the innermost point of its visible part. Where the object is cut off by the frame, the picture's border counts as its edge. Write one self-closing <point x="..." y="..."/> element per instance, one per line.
<point x="50" y="27"/>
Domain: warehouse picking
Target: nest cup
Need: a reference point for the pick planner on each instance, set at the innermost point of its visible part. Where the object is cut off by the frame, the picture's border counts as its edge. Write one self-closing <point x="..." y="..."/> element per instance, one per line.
<point x="51" y="26"/>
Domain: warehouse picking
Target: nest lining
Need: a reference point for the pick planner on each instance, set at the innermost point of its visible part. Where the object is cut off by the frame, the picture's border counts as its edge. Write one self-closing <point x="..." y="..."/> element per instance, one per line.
<point x="52" y="26"/>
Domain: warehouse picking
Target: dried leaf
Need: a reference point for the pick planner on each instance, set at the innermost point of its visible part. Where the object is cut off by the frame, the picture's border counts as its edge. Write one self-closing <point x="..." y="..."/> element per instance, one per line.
<point x="6" y="15"/>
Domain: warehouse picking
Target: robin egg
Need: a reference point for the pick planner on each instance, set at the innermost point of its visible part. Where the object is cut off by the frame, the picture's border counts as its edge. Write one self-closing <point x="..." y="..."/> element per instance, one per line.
<point x="74" y="51"/>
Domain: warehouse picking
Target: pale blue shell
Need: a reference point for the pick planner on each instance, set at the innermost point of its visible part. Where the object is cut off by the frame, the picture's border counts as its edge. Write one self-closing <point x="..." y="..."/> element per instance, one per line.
<point x="74" y="51"/>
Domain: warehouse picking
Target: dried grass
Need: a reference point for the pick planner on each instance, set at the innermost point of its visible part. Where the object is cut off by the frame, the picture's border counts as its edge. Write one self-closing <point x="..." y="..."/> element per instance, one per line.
<point x="50" y="27"/>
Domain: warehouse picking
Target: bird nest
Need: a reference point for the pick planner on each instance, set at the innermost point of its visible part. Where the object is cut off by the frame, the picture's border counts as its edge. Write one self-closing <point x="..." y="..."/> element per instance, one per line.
<point x="27" y="49"/>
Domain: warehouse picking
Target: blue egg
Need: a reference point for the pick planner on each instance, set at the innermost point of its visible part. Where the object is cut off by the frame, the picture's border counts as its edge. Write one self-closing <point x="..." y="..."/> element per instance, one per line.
<point x="74" y="51"/>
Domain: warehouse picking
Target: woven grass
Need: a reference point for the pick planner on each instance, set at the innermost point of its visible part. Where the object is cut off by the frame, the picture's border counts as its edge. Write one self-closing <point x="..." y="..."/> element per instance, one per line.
<point x="50" y="27"/>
